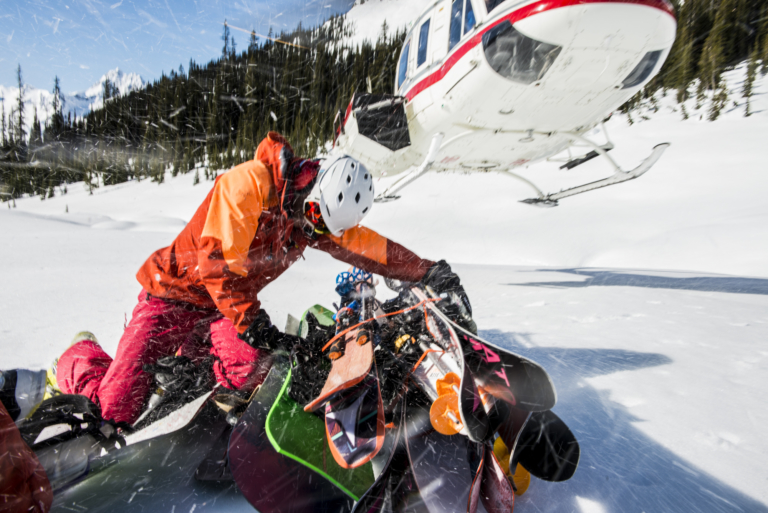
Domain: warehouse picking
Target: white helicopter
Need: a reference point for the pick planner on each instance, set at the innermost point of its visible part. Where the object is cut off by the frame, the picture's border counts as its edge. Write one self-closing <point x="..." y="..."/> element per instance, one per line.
<point x="491" y="85"/>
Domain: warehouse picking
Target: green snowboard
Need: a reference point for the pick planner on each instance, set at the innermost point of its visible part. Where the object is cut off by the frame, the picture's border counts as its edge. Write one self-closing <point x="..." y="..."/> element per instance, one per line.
<point x="301" y="436"/>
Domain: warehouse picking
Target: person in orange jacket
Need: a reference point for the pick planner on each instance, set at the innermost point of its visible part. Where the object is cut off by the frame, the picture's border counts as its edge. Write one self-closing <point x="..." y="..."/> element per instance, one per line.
<point x="201" y="292"/>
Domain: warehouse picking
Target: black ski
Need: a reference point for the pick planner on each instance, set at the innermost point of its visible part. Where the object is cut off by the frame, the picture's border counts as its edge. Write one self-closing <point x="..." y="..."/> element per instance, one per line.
<point x="547" y="448"/>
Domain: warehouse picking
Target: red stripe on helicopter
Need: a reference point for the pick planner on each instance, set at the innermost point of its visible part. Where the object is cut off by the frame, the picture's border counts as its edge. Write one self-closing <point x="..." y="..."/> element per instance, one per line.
<point x="513" y="17"/>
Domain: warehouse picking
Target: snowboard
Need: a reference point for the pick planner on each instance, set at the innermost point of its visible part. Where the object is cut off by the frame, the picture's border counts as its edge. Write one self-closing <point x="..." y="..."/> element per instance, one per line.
<point x="517" y="380"/>
<point x="394" y="488"/>
<point x="444" y="467"/>
<point x="279" y="459"/>
<point x="547" y="448"/>
<point x="354" y="423"/>
<point x="155" y="474"/>
<point x="348" y="370"/>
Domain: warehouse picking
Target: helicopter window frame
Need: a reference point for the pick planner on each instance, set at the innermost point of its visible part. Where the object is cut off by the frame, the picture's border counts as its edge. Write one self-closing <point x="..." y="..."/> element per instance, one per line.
<point x="467" y="13"/>
<point x="459" y="24"/>
<point x="402" y="66"/>
<point x="422" y="51"/>
<point x="456" y="23"/>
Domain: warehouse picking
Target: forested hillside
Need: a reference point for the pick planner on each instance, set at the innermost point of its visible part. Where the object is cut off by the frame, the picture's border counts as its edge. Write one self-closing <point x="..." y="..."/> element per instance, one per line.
<point x="210" y="116"/>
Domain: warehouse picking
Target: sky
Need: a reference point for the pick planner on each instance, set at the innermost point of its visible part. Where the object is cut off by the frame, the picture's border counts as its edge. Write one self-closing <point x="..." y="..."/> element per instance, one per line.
<point x="80" y="40"/>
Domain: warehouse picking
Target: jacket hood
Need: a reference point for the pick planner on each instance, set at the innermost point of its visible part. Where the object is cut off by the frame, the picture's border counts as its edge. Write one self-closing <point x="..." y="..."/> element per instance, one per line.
<point x="275" y="152"/>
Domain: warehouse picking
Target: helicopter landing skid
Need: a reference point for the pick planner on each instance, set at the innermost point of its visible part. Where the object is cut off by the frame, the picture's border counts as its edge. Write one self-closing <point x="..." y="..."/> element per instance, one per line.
<point x="550" y="200"/>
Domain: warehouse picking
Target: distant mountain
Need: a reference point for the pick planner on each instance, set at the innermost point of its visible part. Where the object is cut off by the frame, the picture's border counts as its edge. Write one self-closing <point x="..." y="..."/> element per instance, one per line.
<point x="79" y="103"/>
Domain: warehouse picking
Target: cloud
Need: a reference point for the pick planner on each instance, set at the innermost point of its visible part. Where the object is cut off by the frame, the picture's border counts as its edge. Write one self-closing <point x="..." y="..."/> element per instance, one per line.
<point x="83" y="66"/>
<point x="115" y="6"/>
<point x="8" y="39"/>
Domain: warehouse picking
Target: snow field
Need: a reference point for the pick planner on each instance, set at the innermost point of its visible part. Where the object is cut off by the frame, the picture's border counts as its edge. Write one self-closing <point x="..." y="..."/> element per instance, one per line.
<point x="645" y="301"/>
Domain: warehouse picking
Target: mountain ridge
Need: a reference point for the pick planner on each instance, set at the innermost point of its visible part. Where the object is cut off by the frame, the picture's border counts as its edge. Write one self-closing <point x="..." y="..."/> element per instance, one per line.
<point x="78" y="103"/>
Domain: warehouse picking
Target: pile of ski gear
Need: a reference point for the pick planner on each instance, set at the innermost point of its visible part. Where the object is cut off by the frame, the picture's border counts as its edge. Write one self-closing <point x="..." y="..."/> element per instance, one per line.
<point x="378" y="406"/>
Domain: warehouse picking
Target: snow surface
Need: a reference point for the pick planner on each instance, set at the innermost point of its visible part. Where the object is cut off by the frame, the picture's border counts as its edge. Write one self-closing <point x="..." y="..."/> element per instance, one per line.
<point x="78" y="103"/>
<point x="647" y="302"/>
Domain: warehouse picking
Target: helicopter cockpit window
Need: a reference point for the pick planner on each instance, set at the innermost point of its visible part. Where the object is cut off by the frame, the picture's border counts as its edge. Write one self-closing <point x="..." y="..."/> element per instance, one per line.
<point x="421" y="56"/>
<point x="492" y="4"/>
<point x="402" y="70"/>
<point x="642" y="70"/>
<point x="469" y="16"/>
<point x="516" y="56"/>
<point x="455" y="30"/>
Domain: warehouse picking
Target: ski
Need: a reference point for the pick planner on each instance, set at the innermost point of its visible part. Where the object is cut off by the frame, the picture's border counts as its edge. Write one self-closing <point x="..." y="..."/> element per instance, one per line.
<point x="547" y="448"/>
<point x="517" y="380"/>
<point x="444" y="467"/>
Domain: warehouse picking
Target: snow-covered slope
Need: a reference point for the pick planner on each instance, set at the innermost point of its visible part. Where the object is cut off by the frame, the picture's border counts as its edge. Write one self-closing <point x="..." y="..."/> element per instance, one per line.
<point x="647" y="302"/>
<point x="366" y="17"/>
<point x="78" y="103"/>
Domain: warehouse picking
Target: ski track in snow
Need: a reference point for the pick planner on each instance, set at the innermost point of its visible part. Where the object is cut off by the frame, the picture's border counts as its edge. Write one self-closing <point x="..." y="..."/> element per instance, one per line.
<point x="647" y="302"/>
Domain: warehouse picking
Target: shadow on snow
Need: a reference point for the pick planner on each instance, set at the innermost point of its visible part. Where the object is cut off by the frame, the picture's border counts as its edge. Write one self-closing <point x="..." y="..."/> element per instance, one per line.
<point x="601" y="278"/>
<point x="621" y="468"/>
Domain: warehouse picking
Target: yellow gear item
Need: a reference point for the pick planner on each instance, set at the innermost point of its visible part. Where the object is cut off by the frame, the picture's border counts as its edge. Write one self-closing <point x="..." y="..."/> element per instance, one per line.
<point x="521" y="477"/>
<point x="502" y="454"/>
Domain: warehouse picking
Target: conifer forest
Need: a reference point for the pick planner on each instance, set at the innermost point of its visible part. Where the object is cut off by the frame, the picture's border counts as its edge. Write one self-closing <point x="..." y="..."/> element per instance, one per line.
<point x="211" y="116"/>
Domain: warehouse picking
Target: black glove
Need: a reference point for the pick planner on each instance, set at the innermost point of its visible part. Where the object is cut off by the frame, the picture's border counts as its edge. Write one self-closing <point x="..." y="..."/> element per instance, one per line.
<point x="180" y="375"/>
<point x="442" y="279"/>
<point x="262" y="335"/>
<point x="317" y="334"/>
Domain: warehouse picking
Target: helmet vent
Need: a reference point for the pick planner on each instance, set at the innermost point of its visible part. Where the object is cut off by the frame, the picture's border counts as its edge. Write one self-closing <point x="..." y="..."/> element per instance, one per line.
<point x="349" y="179"/>
<point x="357" y="198"/>
<point x="365" y="210"/>
<point x="370" y="187"/>
<point x="366" y="176"/>
<point x="341" y="197"/>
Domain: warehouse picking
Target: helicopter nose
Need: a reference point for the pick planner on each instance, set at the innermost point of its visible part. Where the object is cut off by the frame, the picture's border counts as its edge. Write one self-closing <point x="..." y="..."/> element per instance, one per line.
<point x="604" y="44"/>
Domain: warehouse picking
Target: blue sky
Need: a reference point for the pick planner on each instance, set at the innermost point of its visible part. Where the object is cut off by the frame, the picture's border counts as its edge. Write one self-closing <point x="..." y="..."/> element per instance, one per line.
<point x="80" y="40"/>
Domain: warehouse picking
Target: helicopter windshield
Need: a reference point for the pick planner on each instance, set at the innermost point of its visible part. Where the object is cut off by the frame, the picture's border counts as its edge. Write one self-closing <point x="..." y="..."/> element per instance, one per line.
<point x="516" y="56"/>
<point x="492" y="4"/>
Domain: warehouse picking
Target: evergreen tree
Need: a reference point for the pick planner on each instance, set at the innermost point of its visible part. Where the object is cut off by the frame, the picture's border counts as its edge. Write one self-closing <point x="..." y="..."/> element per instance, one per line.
<point x="253" y="43"/>
<point x="749" y="81"/>
<point x="719" y="100"/>
<point x="225" y="38"/>
<point x="21" y="134"/>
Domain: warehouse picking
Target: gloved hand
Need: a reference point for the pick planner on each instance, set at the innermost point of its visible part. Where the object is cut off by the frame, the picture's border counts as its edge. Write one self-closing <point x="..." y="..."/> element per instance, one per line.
<point x="261" y="334"/>
<point x="442" y="279"/>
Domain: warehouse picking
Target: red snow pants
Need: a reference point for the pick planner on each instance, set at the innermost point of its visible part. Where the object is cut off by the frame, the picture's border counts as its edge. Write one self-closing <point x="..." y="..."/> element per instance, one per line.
<point x="158" y="328"/>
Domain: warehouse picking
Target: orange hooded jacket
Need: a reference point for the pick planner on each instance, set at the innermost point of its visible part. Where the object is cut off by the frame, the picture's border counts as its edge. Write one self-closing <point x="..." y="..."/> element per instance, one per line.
<point x="240" y="240"/>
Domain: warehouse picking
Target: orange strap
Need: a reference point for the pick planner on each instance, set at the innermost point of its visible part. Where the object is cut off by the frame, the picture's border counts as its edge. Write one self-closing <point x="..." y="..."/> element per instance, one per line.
<point x="422" y="359"/>
<point x="326" y="346"/>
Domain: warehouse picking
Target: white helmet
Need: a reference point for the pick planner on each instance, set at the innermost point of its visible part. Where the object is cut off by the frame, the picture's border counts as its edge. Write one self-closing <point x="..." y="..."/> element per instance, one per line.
<point x="345" y="193"/>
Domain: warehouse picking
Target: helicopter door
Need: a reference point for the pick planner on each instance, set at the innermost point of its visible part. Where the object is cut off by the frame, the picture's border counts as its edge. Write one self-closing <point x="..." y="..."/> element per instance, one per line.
<point x="439" y="36"/>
